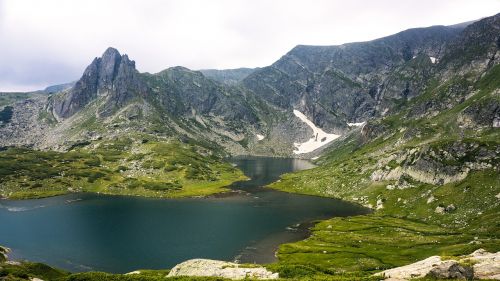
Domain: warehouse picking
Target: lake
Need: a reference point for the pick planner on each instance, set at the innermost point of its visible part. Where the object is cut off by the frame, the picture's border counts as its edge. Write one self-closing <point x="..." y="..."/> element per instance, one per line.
<point x="84" y="232"/>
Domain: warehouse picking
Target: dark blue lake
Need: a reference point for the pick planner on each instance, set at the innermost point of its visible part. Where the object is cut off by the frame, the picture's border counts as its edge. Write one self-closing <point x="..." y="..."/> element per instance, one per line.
<point x="83" y="232"/>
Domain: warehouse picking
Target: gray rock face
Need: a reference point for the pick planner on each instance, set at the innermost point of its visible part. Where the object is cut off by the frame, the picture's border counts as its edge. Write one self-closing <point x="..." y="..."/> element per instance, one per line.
<point x="182" y="91"/>
<point x="331" y="85"/>
<point x="451" y="270"/>
<point x="484" y="113"/>
<point x="112" y="76"/>
<point x="353" y="82"/>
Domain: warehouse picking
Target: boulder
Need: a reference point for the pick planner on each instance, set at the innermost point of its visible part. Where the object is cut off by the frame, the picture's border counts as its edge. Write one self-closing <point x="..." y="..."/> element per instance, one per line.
<point x="214" y="268"/>
<point x="450" y="269"/>
<point x="415" y="270"/>
<point x="484" y="265"/>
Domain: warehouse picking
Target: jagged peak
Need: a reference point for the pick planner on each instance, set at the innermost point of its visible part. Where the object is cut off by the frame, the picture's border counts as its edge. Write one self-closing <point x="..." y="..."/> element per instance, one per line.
<point x="110" y="51"/>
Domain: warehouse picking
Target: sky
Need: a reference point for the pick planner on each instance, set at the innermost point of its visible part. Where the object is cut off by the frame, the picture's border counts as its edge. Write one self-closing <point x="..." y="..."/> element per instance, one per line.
<point x="47" y="42"/>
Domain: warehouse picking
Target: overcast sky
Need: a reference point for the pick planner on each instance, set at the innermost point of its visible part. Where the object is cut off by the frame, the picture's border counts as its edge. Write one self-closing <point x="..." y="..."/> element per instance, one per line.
<point x="52" y="41"/>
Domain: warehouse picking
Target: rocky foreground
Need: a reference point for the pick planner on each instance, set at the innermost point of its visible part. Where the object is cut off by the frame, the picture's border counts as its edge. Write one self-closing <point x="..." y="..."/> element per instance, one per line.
<point x="478" y="265"/>
<point x="214" y="268"/>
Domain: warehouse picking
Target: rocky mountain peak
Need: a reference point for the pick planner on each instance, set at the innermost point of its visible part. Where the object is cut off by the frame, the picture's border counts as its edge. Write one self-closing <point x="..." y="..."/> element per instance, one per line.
<point x="109" y="64"/>
<point x="113" y="75"/>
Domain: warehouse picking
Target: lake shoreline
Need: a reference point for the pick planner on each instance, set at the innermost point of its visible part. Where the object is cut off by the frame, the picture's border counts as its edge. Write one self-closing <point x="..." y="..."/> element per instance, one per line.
<point x="267" y="218"/>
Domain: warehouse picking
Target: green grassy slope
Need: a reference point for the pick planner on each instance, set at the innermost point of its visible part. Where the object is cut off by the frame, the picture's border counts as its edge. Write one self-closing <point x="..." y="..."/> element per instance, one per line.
<point x="433" y="181"/>
<point x="143" y="167"/>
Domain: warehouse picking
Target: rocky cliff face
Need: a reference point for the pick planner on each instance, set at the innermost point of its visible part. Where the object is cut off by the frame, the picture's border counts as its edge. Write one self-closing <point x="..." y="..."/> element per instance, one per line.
<point x="112" y="76"/>
<point x="353" y="82"/>
<point x="251" y="111"/>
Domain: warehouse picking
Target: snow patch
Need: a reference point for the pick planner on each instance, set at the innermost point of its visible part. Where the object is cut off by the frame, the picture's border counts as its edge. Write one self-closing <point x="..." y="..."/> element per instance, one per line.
<point x="319" y="139"/>
<point x="359" y="124"/>
<point x="260" y="137"/>
<point x="433" y="59"/>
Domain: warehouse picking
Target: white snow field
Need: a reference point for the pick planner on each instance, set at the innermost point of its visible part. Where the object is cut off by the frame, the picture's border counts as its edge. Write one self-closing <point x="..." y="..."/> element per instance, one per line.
<point x="319" y="139"/>
<point x="356" y="124"/>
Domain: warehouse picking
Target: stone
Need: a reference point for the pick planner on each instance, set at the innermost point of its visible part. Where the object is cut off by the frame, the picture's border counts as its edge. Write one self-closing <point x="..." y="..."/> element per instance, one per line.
<point x="450" y="208"/>
<point x="439" y="210"/>
<point x="485" y="265"/>
<point x="415" y="270"/>
<point x="215" y="268"/>
<point x="450" y="269"/>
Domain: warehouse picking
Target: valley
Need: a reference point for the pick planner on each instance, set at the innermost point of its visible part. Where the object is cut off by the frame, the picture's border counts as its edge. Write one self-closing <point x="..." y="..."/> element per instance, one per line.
<point x="404" y="132"/>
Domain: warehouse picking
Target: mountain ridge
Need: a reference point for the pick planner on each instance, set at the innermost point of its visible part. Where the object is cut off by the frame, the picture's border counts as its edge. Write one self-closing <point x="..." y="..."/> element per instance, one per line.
<point x="333" y="86"/>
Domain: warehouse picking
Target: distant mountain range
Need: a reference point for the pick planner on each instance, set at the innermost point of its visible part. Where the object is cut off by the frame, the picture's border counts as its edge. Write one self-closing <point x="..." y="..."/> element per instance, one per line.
<point x="250" y="111"/>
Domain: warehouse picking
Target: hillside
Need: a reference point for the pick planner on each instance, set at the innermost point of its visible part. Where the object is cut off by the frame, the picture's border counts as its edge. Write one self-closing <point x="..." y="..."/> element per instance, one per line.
<point x="430" y="170"/>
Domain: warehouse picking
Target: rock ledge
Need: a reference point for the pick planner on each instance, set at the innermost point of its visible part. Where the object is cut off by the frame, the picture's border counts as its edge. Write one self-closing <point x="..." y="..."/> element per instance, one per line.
<point x="214" y="268"/>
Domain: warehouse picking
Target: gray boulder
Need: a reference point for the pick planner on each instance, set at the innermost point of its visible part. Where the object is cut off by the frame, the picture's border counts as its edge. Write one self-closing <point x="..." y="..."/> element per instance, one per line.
<point x="451" y="270"/>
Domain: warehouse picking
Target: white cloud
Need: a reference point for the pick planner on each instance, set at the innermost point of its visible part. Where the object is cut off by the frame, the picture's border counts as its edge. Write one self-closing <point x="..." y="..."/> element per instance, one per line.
<point x="51" y="41"/>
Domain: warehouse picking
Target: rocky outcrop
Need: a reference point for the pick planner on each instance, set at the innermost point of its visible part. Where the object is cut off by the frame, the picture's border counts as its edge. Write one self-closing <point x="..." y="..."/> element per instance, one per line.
<point x="478" y="265"/>
<point x="438" y="165"/>
<point x="112" y="76"/>
<point x="334" y="85"/>
<point x="25" y="126"/>
<point x="414" y="270"/>
<point x="214" y="268"/>
<point x="486" y="265"/>
<point x="451" y="270"/>
<point x="483" y="114"/>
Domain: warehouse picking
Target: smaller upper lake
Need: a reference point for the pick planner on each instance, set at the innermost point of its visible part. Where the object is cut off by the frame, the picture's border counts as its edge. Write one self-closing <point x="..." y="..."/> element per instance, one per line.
<point x="82" y="232"/>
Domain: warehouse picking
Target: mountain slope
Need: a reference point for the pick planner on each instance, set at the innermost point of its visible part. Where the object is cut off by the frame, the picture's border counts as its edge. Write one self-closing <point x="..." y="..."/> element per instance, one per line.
<point x="244" y="111"/>
<point x="430" y="170"/>
<point x="413" y="76"/>
<point x="334" y="85"/>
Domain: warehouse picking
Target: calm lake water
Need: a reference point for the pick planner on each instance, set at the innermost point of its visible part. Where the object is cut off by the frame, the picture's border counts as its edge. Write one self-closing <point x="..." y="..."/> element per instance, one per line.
<point x="83" y="232"/>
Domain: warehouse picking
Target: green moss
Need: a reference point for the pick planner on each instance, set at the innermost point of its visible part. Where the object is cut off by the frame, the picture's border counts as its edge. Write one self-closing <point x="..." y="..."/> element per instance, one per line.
<point x="153" y="169"/>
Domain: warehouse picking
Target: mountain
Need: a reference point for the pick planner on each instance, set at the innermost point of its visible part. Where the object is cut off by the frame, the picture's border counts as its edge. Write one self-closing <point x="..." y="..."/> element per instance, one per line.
<point x="336" y="85"/>
<point x="112" y="98"/>
<point x="429" y="168"/>
<point x="249" y="111"/>
<point x="228" y="76"/>
<point x="408" y="125"/>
